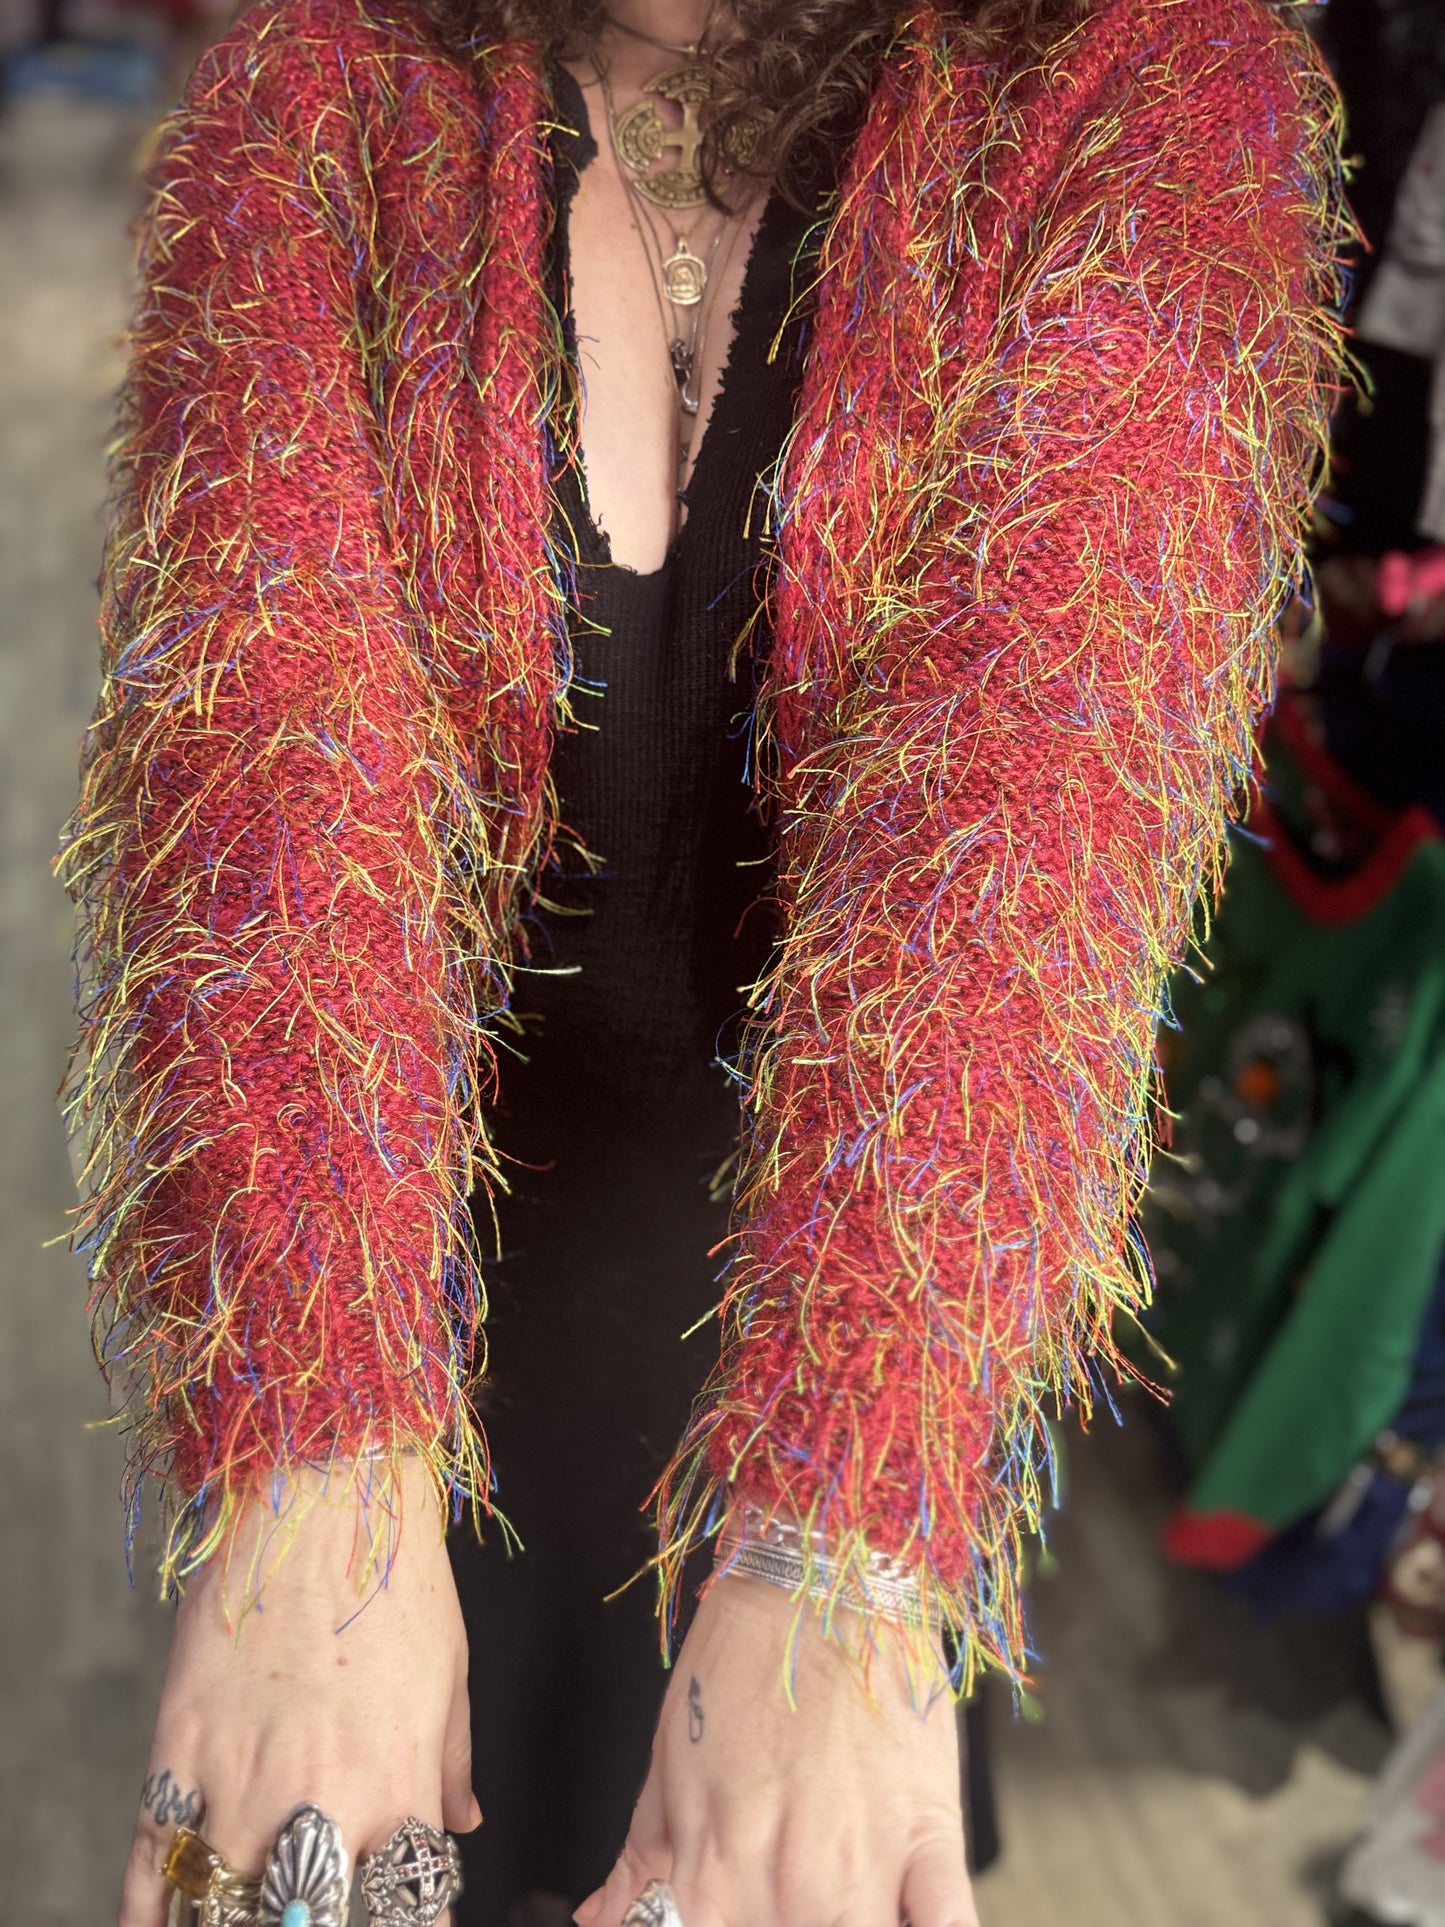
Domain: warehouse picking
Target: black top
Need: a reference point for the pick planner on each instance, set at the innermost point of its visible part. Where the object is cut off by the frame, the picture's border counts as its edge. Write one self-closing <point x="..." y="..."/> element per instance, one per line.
<point x="612" y="1244"/>
<point x="655" y="777"/>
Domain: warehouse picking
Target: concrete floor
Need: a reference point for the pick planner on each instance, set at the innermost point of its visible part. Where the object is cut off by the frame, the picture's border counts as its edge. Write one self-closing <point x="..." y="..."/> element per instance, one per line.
<point x="1188" y="1770"/>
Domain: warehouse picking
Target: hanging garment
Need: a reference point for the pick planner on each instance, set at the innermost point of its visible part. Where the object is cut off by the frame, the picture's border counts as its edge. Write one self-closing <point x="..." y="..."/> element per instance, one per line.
<point x="1337" y="1557"/>
<point x="1405" y="306"/>
<point x="1296" y="1221"/>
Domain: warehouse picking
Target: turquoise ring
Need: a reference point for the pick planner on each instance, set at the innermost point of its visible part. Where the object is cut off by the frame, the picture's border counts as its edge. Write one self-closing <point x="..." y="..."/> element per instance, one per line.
<point x="307" y="1882"/>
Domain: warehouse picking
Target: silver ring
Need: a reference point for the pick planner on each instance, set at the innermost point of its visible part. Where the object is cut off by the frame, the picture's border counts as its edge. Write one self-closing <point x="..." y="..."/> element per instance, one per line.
<point x="307" y="1879"/>
<point x="412" y="1878"/>
<point x="655" y="1906"/>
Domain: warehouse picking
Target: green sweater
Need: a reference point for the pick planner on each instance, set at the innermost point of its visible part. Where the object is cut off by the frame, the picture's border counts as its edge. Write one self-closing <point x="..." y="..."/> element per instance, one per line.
<point x="1297" y="1221"/>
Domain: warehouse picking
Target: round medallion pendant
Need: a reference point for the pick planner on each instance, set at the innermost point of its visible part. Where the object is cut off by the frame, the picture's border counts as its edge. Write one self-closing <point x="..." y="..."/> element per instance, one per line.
<point x="643" y="138"/>
<point x="684" y="276"/>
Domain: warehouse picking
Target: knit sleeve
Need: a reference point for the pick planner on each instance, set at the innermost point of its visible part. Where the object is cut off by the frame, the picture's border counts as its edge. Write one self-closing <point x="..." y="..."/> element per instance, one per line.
<point x="269" y="1077"/>
<point x="1100" y="491"/>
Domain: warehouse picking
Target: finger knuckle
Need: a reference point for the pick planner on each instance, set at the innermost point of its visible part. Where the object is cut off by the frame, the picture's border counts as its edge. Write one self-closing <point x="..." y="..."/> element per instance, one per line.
<point x="180" y="1726"/>
<point x="697" y="1907"/>
<point x="935" y="1828"/>
<point x="148" y="1845"/>
<point x="814" y="1882"/>
<point x="632" y="1867"/>
<point x="808" y="1903"/>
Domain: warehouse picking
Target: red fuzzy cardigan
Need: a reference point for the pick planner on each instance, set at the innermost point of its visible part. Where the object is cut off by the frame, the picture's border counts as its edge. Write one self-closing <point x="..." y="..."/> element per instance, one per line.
<point x="1076" y="341"/>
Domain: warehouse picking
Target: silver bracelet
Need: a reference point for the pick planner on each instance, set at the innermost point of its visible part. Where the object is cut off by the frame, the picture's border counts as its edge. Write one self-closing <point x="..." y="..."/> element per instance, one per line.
<point x="757" y="1545"/>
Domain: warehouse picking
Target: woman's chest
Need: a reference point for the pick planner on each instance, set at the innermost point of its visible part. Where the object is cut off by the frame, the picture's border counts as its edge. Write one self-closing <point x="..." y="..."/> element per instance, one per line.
<point x="651" y="366"/>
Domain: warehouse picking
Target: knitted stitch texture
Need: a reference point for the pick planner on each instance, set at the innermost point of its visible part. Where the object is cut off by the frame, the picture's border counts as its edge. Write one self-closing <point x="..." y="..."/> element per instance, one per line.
<point x="1064" y="409"/>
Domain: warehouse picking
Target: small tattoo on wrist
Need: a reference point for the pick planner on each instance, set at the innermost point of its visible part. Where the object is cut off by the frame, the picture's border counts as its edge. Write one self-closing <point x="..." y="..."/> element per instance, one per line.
<point x="166" y="1802"/>
<point x="694" y="1710"/>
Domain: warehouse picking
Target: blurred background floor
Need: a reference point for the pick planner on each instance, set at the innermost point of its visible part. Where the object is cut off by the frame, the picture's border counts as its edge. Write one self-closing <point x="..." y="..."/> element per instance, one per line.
<point x="80" y="1654"/>
<point x="1188" y="1768"/>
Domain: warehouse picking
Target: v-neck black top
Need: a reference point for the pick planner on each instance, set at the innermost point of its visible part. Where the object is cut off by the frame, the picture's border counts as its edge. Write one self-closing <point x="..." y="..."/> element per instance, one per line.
<point x="655" y="775"/>
<point x="615" y="1112"/>
<point x="612" y="1244"/>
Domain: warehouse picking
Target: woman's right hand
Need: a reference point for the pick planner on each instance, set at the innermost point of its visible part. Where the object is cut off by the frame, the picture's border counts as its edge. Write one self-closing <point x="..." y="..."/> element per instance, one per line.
<point x="355" y="1701"/>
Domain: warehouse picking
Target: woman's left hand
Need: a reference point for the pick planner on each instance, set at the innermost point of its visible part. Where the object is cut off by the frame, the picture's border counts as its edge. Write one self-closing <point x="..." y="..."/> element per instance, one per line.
<point x="842" y="1810"/>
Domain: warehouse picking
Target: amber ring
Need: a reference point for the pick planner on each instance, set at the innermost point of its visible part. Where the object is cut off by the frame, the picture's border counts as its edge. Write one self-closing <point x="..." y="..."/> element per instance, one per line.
<point x="219" y="1896"/>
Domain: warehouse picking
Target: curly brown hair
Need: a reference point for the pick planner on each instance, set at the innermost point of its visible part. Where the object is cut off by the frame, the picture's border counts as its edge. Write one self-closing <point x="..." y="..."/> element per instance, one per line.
<point x="800" y="71"/>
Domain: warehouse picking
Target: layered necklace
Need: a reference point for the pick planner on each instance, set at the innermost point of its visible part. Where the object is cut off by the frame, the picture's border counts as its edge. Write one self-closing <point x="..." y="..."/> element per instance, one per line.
<point x="683" y="280"/>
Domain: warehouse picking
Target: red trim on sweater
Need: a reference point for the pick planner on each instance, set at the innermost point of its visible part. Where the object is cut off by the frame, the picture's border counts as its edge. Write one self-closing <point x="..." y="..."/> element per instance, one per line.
<point x="1331" y="901"/>
<point x="1216" y="1541"/>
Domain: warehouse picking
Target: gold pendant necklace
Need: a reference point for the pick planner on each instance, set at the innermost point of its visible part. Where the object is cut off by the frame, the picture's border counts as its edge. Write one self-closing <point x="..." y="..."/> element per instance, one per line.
<point x="642" y="137"/>
<point x="684" y="275"/>
<point x="682" y="280"/>
<point x="684" y="271"/>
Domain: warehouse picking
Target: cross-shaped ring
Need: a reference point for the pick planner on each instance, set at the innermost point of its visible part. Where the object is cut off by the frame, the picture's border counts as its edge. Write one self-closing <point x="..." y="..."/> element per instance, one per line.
<point x="413" y="1878"/>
